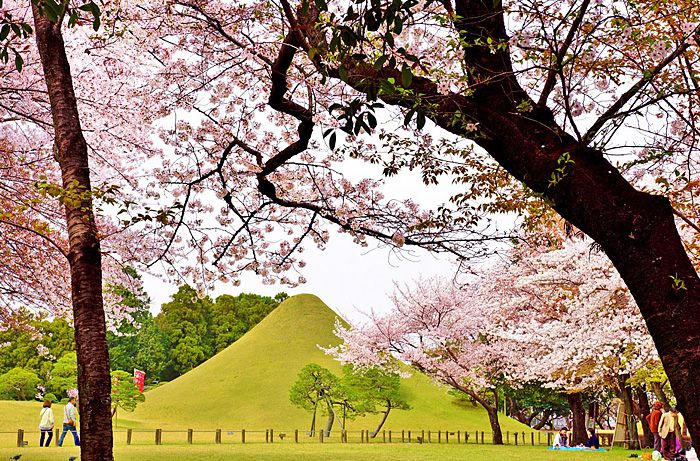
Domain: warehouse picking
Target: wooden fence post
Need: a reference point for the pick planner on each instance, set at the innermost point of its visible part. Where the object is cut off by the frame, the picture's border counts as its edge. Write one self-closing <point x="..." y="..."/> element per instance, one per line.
<point x="409" y="436"/>
<point x="429" y="438"/>
<point x="128" y="436"/>
<point x="242" y="435"/>
<point x="439" y="436"/>
<point x="482" y="437"/>
<point x="267" y="435"/>
<point x="384" y="435"/>
<point x="272" y="438"/>
<point x="466" y="436"/>
<point x="20" y="438"/>
<point x="56" y="435"/>
<point x="447" y="436"/>
<point x="549" y="438"/>
<point x="532" y="439"/>
<point x="403" y="440"/>
<point x="459" y="438"/>
<point x="389" y="436"/>
<point x="159" y="436"/>
<point x="217" y="437"/>
<point x="296" y="435"/>
<point x="422" y="435"/>
<point x="516" y="438"/>
<point x="320" y="436"/>
<point x="189" y="436"/>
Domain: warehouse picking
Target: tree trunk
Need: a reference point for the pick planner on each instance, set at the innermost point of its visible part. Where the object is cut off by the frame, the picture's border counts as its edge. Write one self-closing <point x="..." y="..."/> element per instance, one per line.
<point x="84" y="258"/>
<point x="578" y="416"/>
<point x="658" y="391"/>
<point x="545" y="418"/>
<point x="313" y="422"/>
<point x="630" y="419"/>
<point x="329" y="421"/>
<point x="381" y="423"/>
<point x="644" y="410"/>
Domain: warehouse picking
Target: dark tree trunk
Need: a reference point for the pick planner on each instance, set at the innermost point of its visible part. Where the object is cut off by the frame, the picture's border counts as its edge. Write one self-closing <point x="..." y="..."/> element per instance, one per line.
<point x="644" y="410"/>
<point x="630" y="418"/>
<point x="313" y="421"/>
<point x="84" y="257"/>
<point x="381" y="423"/>
<point x="578" y="416"/>
<point x="545" y="419"/>
<point x="495" y="425"/>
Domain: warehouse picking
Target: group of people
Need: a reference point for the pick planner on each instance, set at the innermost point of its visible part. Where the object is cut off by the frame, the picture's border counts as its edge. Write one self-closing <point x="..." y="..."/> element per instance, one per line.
<point x="669" y="430"/>
<point x="561" y="440"/>
<point x="46" y="423"/>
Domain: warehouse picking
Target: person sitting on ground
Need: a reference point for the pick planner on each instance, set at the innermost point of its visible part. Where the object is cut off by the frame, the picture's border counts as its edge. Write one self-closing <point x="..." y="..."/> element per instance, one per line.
<point x="593" y="441"/>
<point x="561" y="439"/>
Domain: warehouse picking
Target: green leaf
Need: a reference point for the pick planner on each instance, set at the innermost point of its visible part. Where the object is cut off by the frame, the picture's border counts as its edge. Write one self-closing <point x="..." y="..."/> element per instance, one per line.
<point x="4" y="32"/>
<point x="343" y="73"/>
<point x="372" y="120"/>
<point x="92" y="7"/>
<point x="406" y="76"/>
<point x="16" y="29"/>
<point x="19" y="62"/>
<point x="27" y="29"/>
<point x="331" y="141"/>
<point x="408" y="117"/>
<point x="420" y="120"/>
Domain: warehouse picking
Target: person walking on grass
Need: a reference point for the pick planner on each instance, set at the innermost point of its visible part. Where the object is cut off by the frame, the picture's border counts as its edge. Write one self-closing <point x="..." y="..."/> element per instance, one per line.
<point x="46" y="423"/>
<point x="69" y="423"/>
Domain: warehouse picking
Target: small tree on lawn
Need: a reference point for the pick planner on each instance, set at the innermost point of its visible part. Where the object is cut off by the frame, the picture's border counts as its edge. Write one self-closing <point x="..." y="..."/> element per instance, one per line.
<point x="315" y="386"/>
<point x="125" y="393"/>
<point x="376" y="387"/>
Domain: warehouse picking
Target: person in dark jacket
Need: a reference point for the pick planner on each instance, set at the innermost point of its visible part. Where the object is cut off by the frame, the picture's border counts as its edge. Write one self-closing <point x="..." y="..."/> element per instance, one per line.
<point x="593" y="441"/>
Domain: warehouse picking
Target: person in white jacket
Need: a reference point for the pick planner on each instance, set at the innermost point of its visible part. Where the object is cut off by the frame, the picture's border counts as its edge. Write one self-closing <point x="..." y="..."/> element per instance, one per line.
<point x="561" y="439"/>
<point x="46" y="423"/>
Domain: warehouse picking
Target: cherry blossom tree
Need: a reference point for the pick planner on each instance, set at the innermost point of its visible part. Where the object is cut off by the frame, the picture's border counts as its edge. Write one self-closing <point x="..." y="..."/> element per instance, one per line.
<point x="559" y="316"/>
<point x="568" y="313"/>
<point x="436" y="329"/>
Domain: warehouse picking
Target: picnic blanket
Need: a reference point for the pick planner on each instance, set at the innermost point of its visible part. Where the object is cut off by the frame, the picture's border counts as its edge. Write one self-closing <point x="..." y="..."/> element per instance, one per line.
<point x="577" y="449"/>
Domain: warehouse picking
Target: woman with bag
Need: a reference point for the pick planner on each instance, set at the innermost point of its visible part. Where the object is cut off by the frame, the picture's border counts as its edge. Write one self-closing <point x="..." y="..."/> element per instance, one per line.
<point x="46" y="423"/>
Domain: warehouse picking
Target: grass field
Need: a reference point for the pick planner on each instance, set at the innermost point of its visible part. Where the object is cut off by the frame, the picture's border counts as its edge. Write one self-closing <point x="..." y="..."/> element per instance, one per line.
<point x="309" y="452"/>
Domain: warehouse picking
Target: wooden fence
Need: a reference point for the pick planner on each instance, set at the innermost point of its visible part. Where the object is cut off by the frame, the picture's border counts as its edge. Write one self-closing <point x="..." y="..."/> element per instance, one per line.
<point x="241" y="436"/>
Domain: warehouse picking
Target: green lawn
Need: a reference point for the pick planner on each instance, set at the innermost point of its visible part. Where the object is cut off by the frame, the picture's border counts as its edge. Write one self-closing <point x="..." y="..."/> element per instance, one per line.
<point x="311" y="452"/>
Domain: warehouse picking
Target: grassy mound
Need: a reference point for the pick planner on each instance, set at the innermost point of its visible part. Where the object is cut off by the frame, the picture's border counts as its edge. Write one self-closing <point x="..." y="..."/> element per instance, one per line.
<point x="247" y="384"/>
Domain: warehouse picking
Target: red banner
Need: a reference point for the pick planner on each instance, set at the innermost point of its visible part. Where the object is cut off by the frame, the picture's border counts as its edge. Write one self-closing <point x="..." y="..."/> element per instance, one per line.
<point x="139" y="379"/>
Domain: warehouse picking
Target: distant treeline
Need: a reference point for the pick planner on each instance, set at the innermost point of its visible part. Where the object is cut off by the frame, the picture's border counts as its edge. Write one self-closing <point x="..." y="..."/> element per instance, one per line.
<point x="36" y="351"/>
